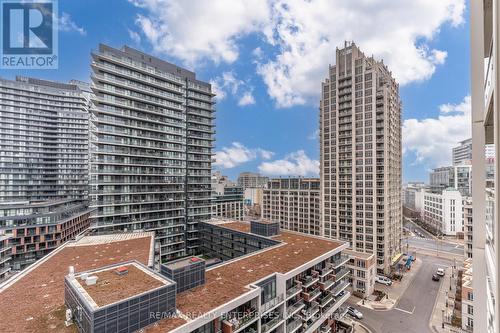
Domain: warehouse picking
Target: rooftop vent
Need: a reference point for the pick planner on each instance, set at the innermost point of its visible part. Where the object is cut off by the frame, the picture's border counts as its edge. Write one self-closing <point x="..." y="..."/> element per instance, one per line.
<point x="71" y="270"/>
<point x="91" y="280"/>
<point x="122" y="270"/>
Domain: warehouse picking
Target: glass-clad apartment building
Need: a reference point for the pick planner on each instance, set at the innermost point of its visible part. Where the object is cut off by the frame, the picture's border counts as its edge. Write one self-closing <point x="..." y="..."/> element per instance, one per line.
<point x="153" y="136"/>
<point x="43" y="165"/>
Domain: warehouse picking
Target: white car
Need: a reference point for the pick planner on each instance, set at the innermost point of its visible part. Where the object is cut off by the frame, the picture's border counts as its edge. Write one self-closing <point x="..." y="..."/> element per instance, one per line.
<point x="440" y="272"/>
<point x="354" y="312"/>
<point x="383" y="280"/>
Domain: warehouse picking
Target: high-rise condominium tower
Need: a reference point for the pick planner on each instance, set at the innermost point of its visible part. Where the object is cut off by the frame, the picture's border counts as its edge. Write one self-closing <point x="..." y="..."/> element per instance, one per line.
<point x="485" y="95"/>
<point x="153" y="135"/>
<point x="44" y="144"/>
<point x="360" y="131"/>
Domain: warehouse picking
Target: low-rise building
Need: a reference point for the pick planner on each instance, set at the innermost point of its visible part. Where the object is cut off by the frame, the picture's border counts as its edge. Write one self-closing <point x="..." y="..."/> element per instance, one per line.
<point x="229" y="204"/>
<point x="413" y="199"/>
<point x="443" y="213"/>
<point x="37" y="228"/>
<point x="297" y="284"/>
<point x="294" y="203"/>
<point x="362" y="268"/>
<point x="252" y="180"/>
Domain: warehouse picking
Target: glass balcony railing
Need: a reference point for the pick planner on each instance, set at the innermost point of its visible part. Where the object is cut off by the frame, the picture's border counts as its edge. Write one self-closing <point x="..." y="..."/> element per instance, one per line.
<point x="270" y="324"/>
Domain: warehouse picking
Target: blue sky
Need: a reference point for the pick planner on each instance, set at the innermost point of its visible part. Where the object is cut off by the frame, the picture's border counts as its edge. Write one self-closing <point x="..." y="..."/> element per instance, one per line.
<point x="267" y="60"/>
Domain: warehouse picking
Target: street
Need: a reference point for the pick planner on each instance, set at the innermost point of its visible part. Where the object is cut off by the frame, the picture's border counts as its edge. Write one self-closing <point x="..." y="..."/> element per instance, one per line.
<point x="429" y="242"/>
<point x="412" y="312"/>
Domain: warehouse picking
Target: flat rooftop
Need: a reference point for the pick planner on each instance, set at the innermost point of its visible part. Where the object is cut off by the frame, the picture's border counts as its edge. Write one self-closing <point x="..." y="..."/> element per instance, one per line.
<point x="227" y="281"/>
<point x="111" y="287"/>
<point x="37" y="294"/>
<point x="359" y="255"/>
<point x="183" y="262"/>
<point x="264" y="222"/>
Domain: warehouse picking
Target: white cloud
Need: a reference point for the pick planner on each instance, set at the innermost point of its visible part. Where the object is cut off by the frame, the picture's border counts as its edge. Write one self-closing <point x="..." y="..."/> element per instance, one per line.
<point x="197" y="30"/>
<point x="237" y="154"/>
<point x="229" y="83"/>
<point x="134" y="36"/>
<point x="303" y="34"/>
<point x="307" y="32"/>
<point x="432" y="139"/>
<point x="294" y="164"/>
<point x="65" y="23"/>
<point x="246" y="99"/>
<point x="258" y="53"/>
<point x="314" y="135"/>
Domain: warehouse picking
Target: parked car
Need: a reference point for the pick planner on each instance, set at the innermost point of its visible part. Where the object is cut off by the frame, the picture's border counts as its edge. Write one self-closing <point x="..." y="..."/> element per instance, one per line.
<point x="435" y="277"/>
<point x="354" y="312"/>
<point x="383" y="280"/>
<point x="440" y="271"/>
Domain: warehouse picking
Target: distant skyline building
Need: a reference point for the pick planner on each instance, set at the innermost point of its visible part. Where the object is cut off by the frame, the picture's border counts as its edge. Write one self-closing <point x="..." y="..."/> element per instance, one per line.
<point x="462" y="153"/>
<point x="230" y="203"/>
<point x="252" y="179"/>
<point x="44" y="144"/>
<point x="360" y="157"/>
<point x="294" y="203"/>
<point x="458" y="177"/>
<point x="154" y="136"/>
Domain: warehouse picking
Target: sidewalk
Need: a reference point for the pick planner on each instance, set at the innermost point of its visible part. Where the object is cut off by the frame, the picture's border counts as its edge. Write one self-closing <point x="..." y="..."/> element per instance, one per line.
<point x="438" y="315"/>
<point x="394" y="292"/>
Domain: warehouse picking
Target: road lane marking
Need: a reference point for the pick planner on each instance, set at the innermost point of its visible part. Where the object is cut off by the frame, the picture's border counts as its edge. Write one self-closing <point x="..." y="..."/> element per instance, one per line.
<point x="405" y="311"/>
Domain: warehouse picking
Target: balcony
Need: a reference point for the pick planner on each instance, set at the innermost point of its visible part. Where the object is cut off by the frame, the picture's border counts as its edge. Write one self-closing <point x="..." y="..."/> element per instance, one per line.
<point x="270" y="324"/>
<point x="341" y="274"/>
<point x="309" y="281"/>
<point x="293" y="326"/>
<point x="325" y="300"/>
<point x="295" y="308"/>
<point x="339" y="262"/>
<point x="325" y="329"/>
<point x="325" y="271"/>
<point x="339" y="288"/>
<point x="310" y="313"/>
<point x="293" y="291"/>
<point x="271" y="304"/>
<point x="237" y="323"/>
<point x="311" y="295"/>
<point x="325" y="285"/>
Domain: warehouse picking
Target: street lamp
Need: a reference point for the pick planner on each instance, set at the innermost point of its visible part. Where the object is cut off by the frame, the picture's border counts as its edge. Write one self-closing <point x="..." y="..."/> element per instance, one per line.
<point x="442" y="321"/>
<point x="450" y="281"/>
<point x="446" y="299"/>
